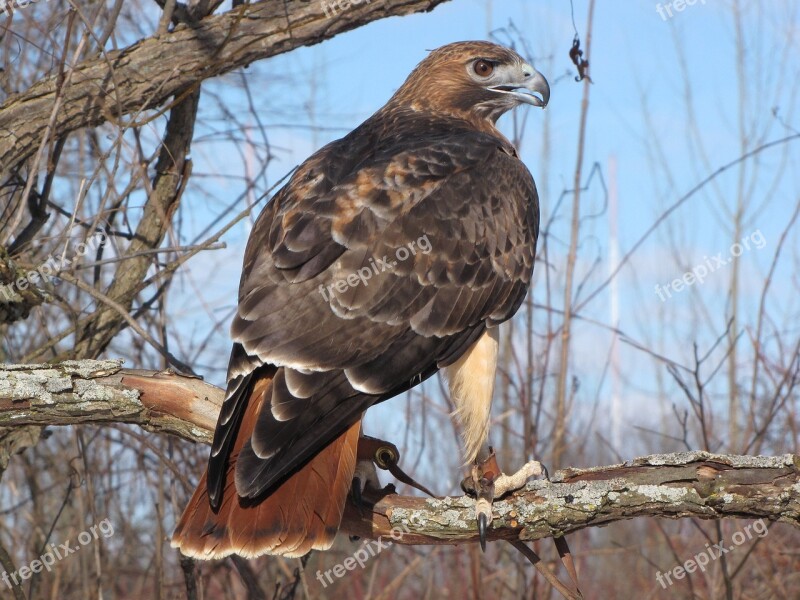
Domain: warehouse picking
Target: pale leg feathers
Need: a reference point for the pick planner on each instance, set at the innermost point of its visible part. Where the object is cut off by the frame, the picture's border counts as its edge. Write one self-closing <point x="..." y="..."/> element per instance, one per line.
<point x="471" y="380"/>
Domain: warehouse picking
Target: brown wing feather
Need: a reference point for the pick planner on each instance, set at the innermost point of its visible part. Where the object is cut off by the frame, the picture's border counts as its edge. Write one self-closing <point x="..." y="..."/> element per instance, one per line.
<point x="302" y="514"/>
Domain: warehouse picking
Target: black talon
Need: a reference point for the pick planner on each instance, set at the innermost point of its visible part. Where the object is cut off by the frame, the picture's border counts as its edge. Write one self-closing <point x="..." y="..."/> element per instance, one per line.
<point x="358" y="499"/>
<point x="468" y="486"/>
<point x="358" y="502"/>
<point x="482" y="522"/>
<point x="546" y="473"/>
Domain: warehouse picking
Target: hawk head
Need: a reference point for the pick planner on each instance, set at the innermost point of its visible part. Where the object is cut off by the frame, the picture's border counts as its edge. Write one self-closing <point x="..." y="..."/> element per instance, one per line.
<point x="474" y="80"/>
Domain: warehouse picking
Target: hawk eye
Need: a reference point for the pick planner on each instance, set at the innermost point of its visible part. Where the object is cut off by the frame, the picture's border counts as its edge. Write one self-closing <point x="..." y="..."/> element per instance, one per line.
<point x="483" y="67"/>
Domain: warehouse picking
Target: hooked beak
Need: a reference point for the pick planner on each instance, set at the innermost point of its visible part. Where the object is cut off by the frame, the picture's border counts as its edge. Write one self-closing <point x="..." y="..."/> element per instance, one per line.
<point x="529" y="83"/>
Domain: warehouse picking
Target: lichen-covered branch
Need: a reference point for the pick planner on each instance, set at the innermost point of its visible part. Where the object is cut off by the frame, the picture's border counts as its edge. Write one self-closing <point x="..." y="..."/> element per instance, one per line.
<point x="101" y="391"/>
<point x="685" y="484"/>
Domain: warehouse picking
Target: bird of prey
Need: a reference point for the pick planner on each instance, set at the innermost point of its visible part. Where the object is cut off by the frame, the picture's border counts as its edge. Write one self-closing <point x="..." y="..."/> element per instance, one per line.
<point x="391" y="254"/>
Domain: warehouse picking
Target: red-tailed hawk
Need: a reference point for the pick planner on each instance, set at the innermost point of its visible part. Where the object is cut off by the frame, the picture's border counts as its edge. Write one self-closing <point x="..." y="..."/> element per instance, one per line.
<point x="392" y="253"/>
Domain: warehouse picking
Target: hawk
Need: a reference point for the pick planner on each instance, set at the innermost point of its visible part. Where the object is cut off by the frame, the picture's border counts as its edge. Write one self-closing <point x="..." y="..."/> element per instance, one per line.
<point x="391" y="254"/>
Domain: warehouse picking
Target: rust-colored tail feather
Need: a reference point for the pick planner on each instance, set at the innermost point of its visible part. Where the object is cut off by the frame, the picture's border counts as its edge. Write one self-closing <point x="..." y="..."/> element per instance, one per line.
<point x="303" y="514"/>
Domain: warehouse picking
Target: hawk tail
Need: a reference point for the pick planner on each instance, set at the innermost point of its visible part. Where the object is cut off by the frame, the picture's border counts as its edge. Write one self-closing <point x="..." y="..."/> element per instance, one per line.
<point x="302" y="514"/>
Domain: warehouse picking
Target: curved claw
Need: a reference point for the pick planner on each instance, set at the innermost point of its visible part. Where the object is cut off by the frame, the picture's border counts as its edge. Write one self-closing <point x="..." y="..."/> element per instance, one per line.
<point x="358" y="499"/>
<point x="483" y="514"/>
<point x="482" y="523"/>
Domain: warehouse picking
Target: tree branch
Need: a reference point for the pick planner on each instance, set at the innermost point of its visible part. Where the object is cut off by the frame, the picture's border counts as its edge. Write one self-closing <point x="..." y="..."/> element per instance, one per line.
<point x="679" y="485"/>
<point x="101" y="391"/>
<point x="172" y="172"/>
<point x="146" y="74"/>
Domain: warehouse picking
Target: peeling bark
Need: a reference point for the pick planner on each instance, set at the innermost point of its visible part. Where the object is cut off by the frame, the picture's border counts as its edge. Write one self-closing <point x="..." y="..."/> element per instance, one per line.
<point x="101" y="391"/>
<point x="678" y="485"/>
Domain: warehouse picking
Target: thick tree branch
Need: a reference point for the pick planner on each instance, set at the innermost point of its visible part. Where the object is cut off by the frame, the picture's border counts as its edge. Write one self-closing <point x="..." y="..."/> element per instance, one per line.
<point x="686" y="484"/>
<point x="678" y="485"/>
<point x="146" y="74"/>
<point x="101" y="391"/>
